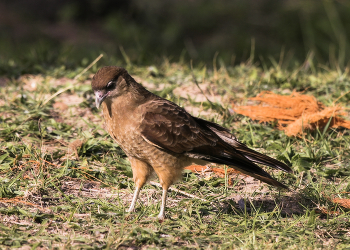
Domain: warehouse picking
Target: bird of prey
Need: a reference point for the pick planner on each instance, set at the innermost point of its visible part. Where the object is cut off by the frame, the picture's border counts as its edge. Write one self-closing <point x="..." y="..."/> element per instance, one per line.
<point x="159" y="136"/>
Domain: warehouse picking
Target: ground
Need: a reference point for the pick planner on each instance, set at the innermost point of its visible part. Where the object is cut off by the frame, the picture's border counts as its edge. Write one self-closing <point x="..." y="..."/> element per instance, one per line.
<point x="66" y="184"/>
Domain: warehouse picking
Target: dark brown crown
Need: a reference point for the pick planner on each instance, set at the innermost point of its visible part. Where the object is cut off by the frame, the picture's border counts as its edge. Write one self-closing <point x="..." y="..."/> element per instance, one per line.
<point x="105" y="75"/>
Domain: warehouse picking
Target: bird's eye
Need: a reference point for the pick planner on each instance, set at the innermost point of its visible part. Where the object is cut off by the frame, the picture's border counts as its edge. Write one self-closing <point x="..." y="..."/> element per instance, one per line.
<point x="110" y="85"/>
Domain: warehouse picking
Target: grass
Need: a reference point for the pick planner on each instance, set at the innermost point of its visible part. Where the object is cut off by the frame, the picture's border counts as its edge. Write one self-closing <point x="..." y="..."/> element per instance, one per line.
<point x="65" y="184"/>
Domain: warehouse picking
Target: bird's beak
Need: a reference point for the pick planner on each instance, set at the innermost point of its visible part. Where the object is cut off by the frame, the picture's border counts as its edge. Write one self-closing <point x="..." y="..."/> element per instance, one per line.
<point x="99" y="97"/>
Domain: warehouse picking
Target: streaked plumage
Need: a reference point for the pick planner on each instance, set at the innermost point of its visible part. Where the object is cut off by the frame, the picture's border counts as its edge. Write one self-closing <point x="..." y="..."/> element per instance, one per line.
<point x="158" y="135"/>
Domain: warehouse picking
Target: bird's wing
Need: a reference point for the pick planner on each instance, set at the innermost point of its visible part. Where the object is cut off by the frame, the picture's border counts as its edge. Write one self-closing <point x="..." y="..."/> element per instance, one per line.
<point x="168" y="126"/>
<point x="171" y="128"/>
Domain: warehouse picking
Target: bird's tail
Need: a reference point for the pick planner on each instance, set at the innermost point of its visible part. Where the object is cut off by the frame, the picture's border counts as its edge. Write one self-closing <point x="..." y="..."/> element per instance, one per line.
<point x="239" y="156"/>
<point x="243" y="165"/>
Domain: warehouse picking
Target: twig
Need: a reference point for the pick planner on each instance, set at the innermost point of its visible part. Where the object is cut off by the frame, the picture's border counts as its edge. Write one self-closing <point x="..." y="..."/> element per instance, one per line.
<point x="179" y="191"/>
<point x="88" y="67"/>
<point x="71" y="86"/>
<point x="19" y="223"/>
<point x="18" y="200"/>
<point x="347" y="92"/>
<point x="56" y="94"/>
<point x="196" y="82"/>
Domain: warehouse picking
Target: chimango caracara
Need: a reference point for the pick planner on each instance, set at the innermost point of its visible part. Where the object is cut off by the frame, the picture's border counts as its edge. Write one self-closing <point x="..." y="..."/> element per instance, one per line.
<point x="159" y="136"/>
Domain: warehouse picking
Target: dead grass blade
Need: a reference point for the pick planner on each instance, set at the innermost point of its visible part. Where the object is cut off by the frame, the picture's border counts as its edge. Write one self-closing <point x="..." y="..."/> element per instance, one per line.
<point x="71" y="86"/>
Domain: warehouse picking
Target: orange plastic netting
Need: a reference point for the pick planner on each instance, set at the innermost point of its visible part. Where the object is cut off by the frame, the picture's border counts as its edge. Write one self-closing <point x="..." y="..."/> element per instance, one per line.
<point x="294" y="113"/>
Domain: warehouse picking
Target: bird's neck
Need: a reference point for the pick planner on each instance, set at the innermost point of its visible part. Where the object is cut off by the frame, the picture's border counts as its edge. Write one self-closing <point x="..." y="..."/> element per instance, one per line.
<point x="139" y="93"/>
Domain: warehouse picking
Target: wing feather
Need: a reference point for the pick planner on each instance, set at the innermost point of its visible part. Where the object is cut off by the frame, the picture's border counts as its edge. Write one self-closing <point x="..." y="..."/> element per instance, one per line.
<point x="171" y="128"/>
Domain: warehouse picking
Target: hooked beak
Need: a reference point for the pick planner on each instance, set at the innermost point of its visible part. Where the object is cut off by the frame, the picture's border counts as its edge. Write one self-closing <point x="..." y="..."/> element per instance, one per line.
<point x="99" y="97"/>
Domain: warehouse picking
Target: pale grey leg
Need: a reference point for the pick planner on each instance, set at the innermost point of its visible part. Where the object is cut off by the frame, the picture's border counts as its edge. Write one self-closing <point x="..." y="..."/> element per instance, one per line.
<point x="161" y="215"/>
<point x="134" y="199"/>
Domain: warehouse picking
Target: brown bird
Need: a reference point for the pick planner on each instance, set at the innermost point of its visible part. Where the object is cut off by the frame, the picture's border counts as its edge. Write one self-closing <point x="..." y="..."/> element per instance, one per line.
<point x="159" y="136"/>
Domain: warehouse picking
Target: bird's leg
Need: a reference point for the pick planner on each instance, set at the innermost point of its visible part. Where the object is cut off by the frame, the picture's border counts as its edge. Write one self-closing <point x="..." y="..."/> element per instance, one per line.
<point x="141" y="172"/>
<point x="162" y="208"/>
<point x="134" y="199"/>
<point x="167" y="176"/>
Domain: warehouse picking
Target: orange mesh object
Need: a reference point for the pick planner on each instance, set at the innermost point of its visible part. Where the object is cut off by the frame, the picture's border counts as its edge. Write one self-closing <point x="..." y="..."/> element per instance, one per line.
<point x="229" y="171"/>
<point x="342" y="202"/>
<point x="218" y="171"/>
<point x="197" y="168"/>
<point x="293" y="113"/>
<point x="17" y="200"/>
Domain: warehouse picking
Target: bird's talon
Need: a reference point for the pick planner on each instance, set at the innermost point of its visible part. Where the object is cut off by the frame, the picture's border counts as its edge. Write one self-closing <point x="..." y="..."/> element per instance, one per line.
<point x="129" y="216"/>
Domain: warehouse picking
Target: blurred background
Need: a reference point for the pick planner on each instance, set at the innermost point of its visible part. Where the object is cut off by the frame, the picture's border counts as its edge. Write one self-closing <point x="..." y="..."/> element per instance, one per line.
<point x="36" y="35"/>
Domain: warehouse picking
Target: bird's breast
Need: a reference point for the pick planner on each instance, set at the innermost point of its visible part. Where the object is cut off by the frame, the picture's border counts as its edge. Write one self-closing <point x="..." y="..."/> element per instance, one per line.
<point x="122" y="124"/>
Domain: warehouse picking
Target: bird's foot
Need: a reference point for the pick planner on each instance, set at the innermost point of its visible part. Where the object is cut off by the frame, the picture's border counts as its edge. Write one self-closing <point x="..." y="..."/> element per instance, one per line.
<point x="156" y="218"/>
<point x="129" y="216"/>
<point x="161" y="218"/>
<point x="129" y="213"/>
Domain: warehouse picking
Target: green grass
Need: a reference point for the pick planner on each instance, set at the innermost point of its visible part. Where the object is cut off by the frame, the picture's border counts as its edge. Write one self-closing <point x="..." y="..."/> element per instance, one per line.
<point x="60" y="193"/>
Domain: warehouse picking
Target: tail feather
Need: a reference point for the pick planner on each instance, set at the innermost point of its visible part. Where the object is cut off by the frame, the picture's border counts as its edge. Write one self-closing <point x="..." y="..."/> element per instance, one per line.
<point x="231" y="152"/>
<point x="260" y="158"/>
<point x="238" y="162"/>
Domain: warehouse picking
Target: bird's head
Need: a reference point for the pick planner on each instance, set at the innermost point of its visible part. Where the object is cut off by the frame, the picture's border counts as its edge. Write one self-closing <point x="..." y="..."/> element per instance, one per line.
<point x="109" y="82"/>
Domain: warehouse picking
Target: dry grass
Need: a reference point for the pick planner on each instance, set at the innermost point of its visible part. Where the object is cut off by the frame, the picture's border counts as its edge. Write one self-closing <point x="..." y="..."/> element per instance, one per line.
<point x="66" y="184"/>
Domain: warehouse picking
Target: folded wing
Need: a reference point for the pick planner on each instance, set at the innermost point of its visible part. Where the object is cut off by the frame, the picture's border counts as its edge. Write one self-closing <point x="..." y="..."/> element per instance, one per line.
<point x="171" y="128"/>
